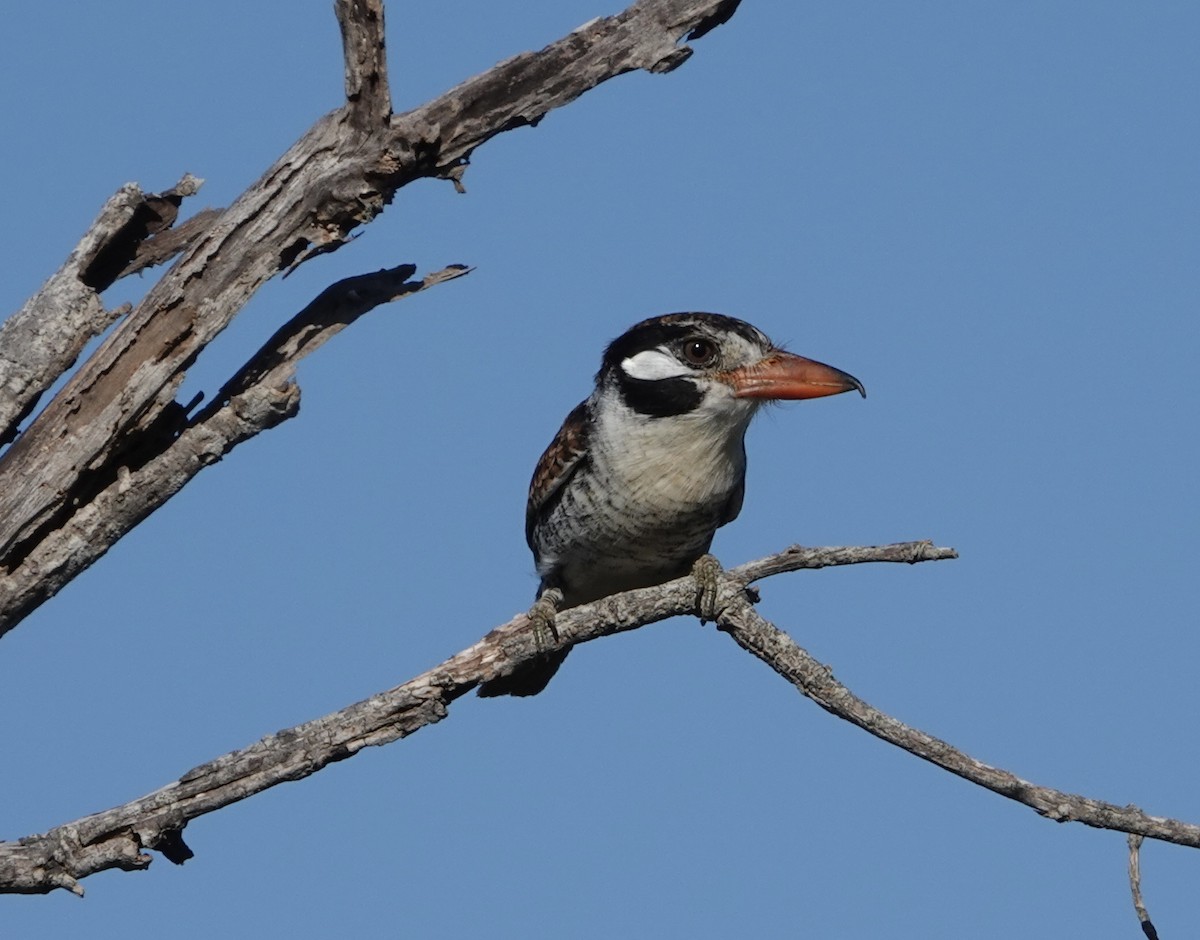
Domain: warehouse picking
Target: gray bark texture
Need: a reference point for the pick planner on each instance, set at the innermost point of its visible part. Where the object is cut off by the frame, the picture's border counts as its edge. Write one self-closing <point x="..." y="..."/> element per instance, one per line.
<point x="67" y="488"/>
<point x="118" y="837"/>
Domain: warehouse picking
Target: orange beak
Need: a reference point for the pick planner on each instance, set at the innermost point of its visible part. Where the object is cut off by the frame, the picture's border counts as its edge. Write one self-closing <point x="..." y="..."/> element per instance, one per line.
<point x="782" y="375"/>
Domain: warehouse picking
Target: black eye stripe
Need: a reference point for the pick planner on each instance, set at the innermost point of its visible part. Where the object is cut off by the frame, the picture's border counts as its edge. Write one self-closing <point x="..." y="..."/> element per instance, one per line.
<point x="661" y="398"/>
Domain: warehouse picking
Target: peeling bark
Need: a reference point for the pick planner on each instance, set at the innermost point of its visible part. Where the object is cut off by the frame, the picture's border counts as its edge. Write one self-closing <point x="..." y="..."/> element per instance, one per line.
<point x="116" y="418"/>
<point x="42" y="340"/>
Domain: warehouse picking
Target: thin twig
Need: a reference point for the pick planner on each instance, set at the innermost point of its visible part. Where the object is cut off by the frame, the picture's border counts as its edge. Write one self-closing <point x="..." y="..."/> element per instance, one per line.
<point x="1135" y="886"/>
<point x="815" y="680"/>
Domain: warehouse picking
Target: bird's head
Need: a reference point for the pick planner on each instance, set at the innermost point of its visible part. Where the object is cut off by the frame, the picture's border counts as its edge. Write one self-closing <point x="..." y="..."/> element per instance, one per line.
<point x="709" y="365"/>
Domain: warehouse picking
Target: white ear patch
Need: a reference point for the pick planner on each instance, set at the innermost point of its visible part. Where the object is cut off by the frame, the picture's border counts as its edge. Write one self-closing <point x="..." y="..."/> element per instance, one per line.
<point x="652" y="364"/>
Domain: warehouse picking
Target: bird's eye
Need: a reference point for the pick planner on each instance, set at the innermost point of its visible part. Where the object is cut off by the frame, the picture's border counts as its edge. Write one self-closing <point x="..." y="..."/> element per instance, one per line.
<point x="699" y="352"/>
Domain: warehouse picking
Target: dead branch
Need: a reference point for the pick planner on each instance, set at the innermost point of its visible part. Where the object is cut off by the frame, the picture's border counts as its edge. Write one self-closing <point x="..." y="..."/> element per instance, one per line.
<point x="260" y="396"/>
<point x="815" y="680"/>
<point x="117" y="838"/>
<point x="42" y="340"/>
<point x="367" y="92"/>
<point x="1135" y="887"/>
<point x="114" y="444"/>
<point x="160" y="247"/>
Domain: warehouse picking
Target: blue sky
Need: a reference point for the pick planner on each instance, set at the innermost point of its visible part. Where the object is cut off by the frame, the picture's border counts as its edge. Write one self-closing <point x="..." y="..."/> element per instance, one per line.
<point x="987" y="213"/>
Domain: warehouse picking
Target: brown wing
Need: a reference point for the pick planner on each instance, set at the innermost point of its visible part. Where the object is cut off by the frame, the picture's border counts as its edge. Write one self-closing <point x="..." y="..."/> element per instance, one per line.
<point x="561" y="459"/>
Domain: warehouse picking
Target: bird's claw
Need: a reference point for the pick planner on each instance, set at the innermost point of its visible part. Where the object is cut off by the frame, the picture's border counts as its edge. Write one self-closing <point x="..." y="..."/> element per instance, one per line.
<point x="541" y="618"/>
<point x="707" y="572"/>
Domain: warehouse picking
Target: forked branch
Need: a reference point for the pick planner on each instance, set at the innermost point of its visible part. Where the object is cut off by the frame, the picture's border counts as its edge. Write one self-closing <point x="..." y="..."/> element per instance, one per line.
<point x="105" y="452"/>
<point x="118" y="838"/>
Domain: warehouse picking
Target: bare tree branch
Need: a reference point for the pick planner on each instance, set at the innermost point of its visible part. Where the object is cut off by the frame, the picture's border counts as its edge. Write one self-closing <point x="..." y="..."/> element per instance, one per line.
<point x="261" y="396"/>
<point x="160" y="247"/>
<point x="117" y="415"/>
<point x="41" y="341"/>
<point x="117" y="837"/>
<point x="1135" y="887"/>
<point x="367" y="89"/>
<point x="779" y="651"/>
<point x="331" y="312"/>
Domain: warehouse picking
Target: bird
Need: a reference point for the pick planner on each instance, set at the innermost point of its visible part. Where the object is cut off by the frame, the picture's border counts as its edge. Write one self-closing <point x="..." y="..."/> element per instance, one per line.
<point x="644" y="471"/>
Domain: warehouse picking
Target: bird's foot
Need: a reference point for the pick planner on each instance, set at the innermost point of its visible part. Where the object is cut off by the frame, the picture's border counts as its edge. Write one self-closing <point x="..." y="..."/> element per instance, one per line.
<point x="707" y="571"/>
<point x="541" y="618"/>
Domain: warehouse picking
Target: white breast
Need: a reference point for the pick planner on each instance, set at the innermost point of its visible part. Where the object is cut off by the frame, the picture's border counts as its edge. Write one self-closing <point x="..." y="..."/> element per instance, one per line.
<point x="674" y="462"/>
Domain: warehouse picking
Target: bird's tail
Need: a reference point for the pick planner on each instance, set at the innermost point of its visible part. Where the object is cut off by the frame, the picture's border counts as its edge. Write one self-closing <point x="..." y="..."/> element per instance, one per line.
<point x="529" y="679"/>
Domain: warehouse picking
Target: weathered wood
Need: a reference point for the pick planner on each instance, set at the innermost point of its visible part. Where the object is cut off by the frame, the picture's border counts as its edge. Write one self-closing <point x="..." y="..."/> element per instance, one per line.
<point x="117" y="838"/>
<point x="260" y="396"/>
<point x="161" y="247"/>
<point x="815" y="681"/>
<point x="117" y="414"/>
<point x="42" y="340"/>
